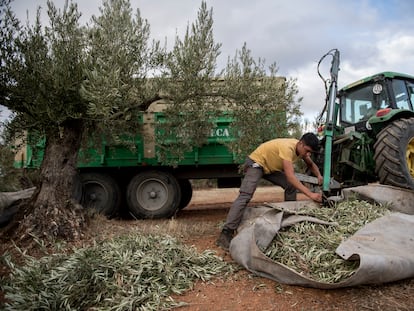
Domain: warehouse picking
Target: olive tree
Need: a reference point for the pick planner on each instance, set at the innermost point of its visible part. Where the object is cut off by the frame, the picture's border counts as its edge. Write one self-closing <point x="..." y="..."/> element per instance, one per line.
<point x="261" y="104"/>
<point x="264" y="105"/>
<point x="119" y="64"/>
<point x="67" y="83"/>
<point x="43" y="70"/>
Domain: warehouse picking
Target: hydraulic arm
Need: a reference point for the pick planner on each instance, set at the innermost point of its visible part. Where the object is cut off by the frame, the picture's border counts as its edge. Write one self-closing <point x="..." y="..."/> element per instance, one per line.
<point x="330" y="122"/>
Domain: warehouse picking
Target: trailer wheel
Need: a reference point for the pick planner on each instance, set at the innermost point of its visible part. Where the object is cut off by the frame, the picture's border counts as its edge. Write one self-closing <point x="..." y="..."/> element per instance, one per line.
<point x="101" y="192"/>
<point x="153" y="194"/>
<point x="394" y="154"/>
<point x="186" y="192"/>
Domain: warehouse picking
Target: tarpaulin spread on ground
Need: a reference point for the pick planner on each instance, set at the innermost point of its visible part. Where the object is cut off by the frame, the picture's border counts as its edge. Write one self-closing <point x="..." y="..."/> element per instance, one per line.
<point x="7" y="203"/>
<point x="384" y="247"/>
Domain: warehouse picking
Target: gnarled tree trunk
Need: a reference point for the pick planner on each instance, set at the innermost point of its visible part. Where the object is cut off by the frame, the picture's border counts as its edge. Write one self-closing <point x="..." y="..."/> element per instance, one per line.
<point x="53" y="212"/>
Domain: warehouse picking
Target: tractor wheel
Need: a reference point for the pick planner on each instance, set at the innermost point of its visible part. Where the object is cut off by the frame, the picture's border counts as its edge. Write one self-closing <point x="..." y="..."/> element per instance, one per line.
<point x="394" y="154"/>
<point x="101" y="192"/>
<point x="153" y="194"/>
<point x="186" y="192"/>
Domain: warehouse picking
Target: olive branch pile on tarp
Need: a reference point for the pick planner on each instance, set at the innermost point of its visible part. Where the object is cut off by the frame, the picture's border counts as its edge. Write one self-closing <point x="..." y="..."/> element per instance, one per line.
<point x="136" y="272"/>
<point x="309" y="248"/>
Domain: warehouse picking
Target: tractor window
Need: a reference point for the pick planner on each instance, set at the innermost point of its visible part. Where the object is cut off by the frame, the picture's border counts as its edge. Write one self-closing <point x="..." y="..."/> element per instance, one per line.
<point x="402" y="97"/>
<point x="361" y="104"/>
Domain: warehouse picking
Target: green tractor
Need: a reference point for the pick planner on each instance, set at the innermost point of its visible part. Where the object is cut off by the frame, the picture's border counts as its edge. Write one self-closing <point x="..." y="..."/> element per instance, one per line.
<point x="368" y="131"/>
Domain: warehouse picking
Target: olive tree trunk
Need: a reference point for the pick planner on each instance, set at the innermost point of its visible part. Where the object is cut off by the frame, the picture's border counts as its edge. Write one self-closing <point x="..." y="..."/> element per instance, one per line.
<point x="53" y="211"/>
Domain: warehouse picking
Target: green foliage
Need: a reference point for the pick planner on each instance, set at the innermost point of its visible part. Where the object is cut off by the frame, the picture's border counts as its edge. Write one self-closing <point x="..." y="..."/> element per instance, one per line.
<point x="119" y="62"/>
<point x="43" y="69"/>
<point x="134" y="272"/>
<point x="106" y="73"/>
<point x="262" y="105"/>
<point x="190" y="85"/>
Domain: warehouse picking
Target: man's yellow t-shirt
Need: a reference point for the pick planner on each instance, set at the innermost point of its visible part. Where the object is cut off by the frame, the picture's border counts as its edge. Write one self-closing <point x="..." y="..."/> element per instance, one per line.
<point x="270" y="154"/>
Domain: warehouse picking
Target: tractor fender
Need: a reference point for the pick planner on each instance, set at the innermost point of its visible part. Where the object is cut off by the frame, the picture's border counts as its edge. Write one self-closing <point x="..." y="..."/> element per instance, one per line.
<point x="377" y="123"/>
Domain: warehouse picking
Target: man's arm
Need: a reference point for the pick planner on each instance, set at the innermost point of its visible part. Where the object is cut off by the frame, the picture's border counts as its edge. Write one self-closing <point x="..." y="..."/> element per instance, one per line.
<point x="290" y="175"/>
<point x="314" y="169"/>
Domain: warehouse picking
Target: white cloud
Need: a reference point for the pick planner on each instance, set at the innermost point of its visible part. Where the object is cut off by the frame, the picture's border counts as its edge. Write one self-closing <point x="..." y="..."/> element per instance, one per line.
<point x="393" y="53"/>
<point x="397" y="50"/>
<point x="371" y="35"/>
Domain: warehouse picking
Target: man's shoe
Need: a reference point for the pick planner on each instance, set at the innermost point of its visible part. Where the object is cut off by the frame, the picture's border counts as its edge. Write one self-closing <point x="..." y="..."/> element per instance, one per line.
<point x="224" y="239"/>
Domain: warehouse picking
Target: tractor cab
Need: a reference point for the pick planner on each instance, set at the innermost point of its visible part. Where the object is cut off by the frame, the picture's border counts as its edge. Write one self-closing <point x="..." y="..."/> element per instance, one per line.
<point x="374" y="131"/>
<point x="368" y="130"/>
<point x="370" y="103"/>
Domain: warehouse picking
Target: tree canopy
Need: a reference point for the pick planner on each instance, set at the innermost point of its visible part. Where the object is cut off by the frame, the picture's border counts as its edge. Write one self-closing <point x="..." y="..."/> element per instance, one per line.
<point x="70" y="82"/>
<point x="107" y="72"/>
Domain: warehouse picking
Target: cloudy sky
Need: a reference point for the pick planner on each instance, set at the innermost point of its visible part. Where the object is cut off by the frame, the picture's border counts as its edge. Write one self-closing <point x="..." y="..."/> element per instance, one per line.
<point x="372" y="35"/>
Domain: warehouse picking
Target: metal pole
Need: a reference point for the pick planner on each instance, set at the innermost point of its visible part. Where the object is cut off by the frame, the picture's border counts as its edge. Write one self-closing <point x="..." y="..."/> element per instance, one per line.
<point x="330" y="122"/>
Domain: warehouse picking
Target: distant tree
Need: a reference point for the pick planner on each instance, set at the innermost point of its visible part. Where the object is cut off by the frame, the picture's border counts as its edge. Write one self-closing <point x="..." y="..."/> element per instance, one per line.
<point x="69" y="83"/>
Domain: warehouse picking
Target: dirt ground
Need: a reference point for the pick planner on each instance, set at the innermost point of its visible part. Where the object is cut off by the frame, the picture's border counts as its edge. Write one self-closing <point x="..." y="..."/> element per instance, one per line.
<point x="248" y="292"/>
<point x="245" y="291"/>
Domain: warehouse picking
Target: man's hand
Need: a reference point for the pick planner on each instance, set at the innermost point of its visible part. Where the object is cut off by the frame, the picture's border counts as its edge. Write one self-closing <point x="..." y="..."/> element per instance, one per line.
<point x="317" y="197"/>
<point x="290" y="175"/>
<point x="320" y="180"/>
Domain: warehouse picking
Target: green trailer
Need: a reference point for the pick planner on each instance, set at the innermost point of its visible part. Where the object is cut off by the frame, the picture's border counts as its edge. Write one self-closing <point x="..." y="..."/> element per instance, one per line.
<point x="133" y="175"/>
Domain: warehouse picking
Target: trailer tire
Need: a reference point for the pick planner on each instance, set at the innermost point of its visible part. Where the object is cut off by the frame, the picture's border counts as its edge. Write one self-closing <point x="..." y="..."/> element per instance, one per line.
<point x="100" y="192"/>
<point x="394" y="154"/>
<point x="186" y="192"/>
<point x="153" y="194"/>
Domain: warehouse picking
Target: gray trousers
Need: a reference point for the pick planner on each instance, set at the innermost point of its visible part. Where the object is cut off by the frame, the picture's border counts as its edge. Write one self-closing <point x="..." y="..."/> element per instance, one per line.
<point x="249" y="184"/>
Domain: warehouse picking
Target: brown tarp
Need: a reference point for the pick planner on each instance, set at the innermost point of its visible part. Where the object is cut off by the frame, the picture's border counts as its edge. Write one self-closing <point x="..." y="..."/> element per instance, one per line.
<point x="9" y="198"/>
<point x="384" y="247"/>
<point x="7" y="203"/>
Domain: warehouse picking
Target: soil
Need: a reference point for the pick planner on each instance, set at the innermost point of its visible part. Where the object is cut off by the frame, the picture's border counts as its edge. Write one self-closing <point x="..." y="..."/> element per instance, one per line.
<point x="243" y="290"/>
